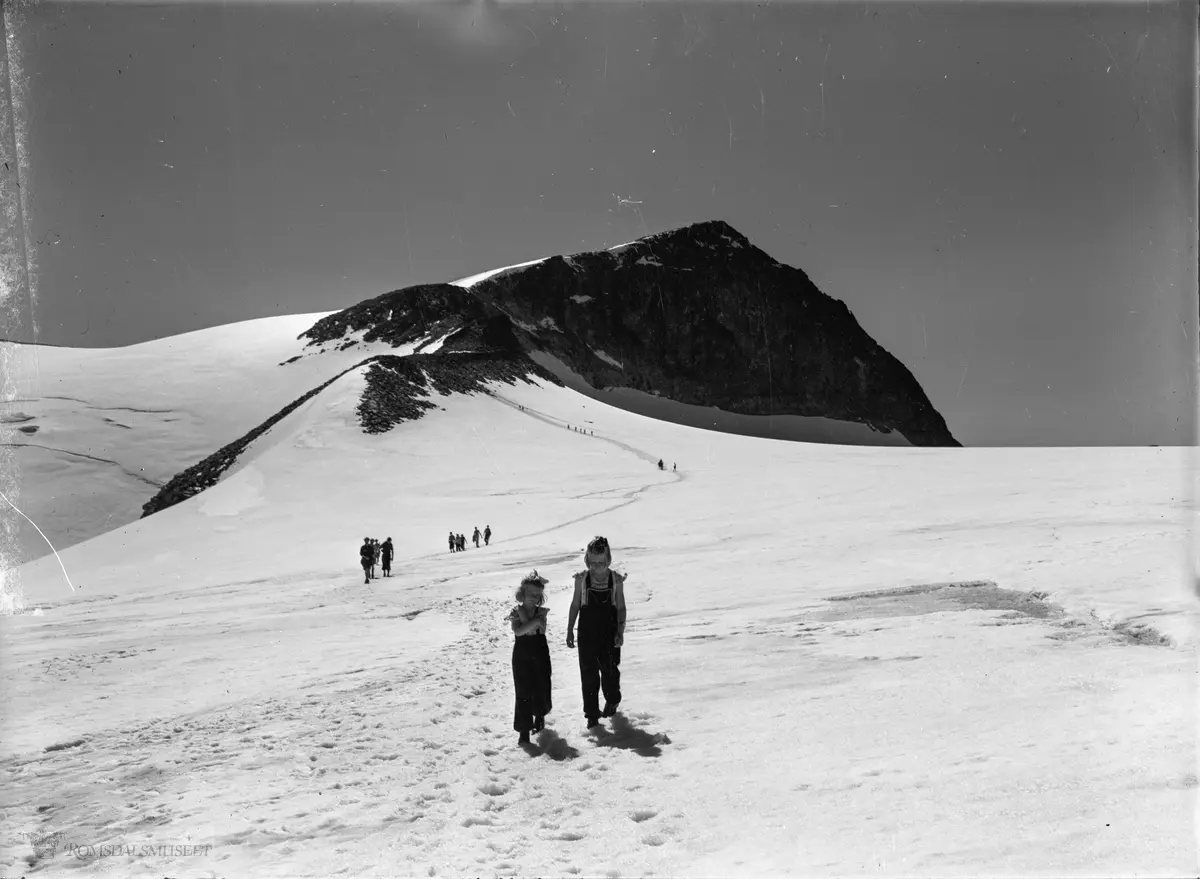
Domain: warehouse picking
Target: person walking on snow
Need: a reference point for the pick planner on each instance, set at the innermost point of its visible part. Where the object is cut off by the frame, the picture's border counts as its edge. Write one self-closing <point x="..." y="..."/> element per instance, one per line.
<point x="487" y="534"/>
<point x="385" y="554"/>
<point x="530" y="658"/>
<point x="475" y="537"/>
<point x="451" y="541"/>
<point x="599" y="604"/>
<point x="660" y="464"/>
<point x="374" y="556"/>
<point x="364" y="556"/>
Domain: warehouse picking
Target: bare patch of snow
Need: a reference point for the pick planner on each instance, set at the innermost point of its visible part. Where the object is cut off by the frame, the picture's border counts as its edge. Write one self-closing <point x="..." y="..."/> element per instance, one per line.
<point x="580" y="298"/>
<point x="606" y="358"/>
<point x="436" y="345"/>
<point x="471" y="281"/>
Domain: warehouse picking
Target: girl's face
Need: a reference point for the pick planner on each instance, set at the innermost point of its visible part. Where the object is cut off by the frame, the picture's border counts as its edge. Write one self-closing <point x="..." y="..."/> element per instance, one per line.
<point x="598" y="564"/>
<point x="533" y="598"/>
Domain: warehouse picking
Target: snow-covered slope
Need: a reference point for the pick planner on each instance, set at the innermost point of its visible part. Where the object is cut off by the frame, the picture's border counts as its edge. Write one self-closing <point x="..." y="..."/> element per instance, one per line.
<point x="223" y="676"/>
<point x="114" y="424"/>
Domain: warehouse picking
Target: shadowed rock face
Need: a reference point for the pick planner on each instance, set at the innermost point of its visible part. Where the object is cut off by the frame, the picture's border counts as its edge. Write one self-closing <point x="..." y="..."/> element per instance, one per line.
<point x="697" y="315"/>
<point x="701" y="316"/>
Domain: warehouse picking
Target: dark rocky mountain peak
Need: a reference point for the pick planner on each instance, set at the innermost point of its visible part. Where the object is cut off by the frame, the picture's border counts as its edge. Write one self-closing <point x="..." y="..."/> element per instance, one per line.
<point x="695" y="314"/>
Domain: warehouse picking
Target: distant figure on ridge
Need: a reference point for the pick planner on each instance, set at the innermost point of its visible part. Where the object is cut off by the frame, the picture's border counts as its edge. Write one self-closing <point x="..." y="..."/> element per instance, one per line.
<point x="530" y="658"/>
<point x="453" y="542"/>
<point x="476" y="537"/>
<point x="660" y="464"/>
<point x="385" y="554"/>
<point x="487" y="535"/>
<point x="364" y="556"/>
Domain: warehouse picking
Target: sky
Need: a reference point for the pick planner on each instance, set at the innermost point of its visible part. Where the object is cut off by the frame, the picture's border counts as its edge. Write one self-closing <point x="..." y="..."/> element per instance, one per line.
<point x="1002" y="194"/>
<point x="297" y="721"/>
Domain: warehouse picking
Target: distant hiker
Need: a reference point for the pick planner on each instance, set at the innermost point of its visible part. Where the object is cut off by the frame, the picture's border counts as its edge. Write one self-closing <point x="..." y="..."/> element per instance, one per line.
<point x="385" y="554"/>
<point x="530" y="658"/>
<point x="364" y="556"/>
<point x="660" y="464"/>
<point x="476" y="537"/>
<point x="452" y="541"/>
<point x="487" y="535"/>
<point x="374" y="556"/>
<point x="672" y="466"/>
<point x="462" y="543"/>
<point x="599" y="603"/>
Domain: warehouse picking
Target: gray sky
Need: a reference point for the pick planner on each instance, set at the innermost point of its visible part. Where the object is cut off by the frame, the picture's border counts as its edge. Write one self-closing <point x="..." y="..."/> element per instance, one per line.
<point x="1002" y="194"/>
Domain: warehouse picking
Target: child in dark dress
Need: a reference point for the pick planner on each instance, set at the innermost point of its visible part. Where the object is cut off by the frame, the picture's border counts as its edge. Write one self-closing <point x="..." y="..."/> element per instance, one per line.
<point x="530" y="657"/>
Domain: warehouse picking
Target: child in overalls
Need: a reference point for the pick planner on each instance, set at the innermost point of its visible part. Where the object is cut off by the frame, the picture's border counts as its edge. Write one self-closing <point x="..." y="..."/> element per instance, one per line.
<point x="599" y="603"/>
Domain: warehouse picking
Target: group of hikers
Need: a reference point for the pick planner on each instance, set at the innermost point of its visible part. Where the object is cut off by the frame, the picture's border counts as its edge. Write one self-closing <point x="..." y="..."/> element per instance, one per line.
<point x="458" y="543"/>
<point x="598" y="604"/>
<point x="371" y="553"/>
<point x="661" y="467"/>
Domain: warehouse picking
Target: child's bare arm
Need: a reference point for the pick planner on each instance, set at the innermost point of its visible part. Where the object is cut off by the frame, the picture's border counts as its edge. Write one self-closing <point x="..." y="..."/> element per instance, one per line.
<point x="573" y="613"/>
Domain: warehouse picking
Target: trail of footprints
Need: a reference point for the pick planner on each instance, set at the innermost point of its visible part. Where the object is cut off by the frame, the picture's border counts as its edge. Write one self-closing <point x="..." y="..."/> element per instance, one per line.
<point x="427" y="749"/>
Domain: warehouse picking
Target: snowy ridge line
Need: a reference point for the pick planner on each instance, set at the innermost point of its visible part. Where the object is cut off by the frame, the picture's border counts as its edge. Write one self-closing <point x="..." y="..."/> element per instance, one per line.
<point x="208" y="472"/>
<point x="396" y="386"/>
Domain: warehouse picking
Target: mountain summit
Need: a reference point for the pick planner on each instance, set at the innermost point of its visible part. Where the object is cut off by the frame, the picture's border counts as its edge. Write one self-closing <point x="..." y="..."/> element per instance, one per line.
<point x="696" y="314"/>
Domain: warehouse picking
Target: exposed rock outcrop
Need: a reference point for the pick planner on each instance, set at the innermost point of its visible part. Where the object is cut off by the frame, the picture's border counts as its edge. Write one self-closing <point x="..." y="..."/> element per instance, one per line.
<point x="396" y="386"/>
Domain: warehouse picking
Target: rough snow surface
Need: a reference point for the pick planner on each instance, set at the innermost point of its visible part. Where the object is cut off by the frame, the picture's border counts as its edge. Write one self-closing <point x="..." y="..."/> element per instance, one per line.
<point x="225" y="678"/>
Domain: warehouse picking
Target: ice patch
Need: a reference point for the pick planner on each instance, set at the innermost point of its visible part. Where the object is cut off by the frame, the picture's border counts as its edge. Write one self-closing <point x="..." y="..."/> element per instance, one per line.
<point x="549" y="324"/>
<point x="647" y="261"/>
<point x="580" y="298"/>
<point x="606" y="358"/>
